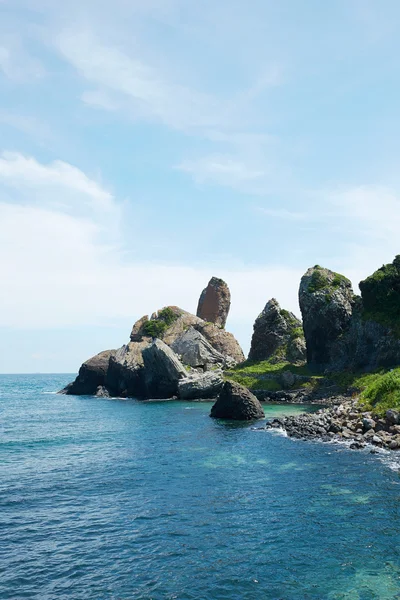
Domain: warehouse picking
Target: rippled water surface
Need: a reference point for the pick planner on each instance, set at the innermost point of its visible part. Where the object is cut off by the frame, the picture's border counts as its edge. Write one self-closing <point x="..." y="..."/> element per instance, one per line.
<point x="114" y="499"/>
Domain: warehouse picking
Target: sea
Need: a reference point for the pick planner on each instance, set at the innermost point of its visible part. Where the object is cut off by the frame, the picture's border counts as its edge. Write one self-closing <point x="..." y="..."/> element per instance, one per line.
<point x="123" y="499"/>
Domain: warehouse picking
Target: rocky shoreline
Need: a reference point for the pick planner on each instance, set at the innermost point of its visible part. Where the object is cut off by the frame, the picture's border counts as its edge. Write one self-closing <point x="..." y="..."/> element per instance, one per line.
<point x="344" y="421"/>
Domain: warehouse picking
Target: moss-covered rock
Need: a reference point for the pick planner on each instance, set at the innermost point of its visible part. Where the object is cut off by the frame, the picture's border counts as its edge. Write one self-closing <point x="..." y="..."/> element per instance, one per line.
<point x="326" y="303"/>
<point x="277" y="336"/>
<point x="380" y="294"/>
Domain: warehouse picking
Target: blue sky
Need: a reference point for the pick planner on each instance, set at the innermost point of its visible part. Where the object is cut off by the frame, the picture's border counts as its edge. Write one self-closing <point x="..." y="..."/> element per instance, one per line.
<point x="146" y="145"/>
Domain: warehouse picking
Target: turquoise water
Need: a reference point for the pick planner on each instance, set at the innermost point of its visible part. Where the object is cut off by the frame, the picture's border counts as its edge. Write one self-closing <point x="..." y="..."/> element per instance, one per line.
<point x="116" y="499"/>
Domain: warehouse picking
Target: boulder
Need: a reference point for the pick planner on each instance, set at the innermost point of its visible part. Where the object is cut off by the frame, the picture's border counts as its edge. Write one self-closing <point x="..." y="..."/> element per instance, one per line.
<point x="206" y="385"/>
<point x="91" y="376"/>
<point x="125" y="375"/>
<point x="392" y="417"/>
<point x="215" y="302"/>
<point x="237" y="403"/>
<point x="137" y="332"/>
<point x="277" y="336"/>
<point x="195" y="351"/>
<point x="326" y="303"/>
<point x="162" y="370"/>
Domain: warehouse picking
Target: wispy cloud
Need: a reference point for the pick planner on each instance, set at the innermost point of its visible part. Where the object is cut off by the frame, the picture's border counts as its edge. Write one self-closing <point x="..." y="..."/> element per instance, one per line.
<point x="24" y="173"/>
<point x="126" y="82"/>
<point x="223" y="170"/>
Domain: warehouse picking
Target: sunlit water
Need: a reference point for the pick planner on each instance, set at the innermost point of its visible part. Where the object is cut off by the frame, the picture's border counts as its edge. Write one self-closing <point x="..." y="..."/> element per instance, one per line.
<point x="117" y="499"/>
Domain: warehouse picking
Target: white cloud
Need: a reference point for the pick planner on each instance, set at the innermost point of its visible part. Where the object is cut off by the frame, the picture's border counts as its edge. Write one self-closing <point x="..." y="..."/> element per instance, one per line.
<point x="27" y="175"/>
<point x="223" y="170"/>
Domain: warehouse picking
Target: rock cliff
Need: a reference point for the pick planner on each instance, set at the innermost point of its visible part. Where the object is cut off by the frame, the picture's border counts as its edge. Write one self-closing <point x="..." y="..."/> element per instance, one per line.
<point x="278" y="336"/>
<point x="348" y="332"/>
<point x="326" y="302"/>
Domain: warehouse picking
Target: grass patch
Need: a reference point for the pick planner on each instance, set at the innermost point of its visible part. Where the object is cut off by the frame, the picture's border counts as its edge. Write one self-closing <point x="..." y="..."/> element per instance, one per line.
<point x="255" y="383"/>
<point x="265" y="375"/>
<point x="379" y="391"/>
<point x="266" y="367"/>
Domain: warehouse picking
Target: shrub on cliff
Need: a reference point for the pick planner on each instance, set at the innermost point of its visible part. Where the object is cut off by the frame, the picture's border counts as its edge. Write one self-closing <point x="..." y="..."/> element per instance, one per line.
<point x="156" y="327"/>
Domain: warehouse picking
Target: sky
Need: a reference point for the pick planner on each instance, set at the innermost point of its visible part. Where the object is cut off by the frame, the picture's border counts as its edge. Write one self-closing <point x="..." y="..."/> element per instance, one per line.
<point x="148" y="145"/>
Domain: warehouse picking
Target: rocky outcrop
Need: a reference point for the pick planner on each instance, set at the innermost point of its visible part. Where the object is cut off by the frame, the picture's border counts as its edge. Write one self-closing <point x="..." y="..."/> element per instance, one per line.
<point x="348" y="332"/>
<point x="196" y="351"/>
<point x="237" y="403"/>
<point x="125" y="376"/>
<point x="172" y="323"/>
<point x="344" y="422"/>
<point x="215" y="302"/>
<point x="278" y="336"/>
<point x="91" y="376"/>
<point x="162" y="370"/>
<point x="326" y="303"/>
<point x="207" y="385"/>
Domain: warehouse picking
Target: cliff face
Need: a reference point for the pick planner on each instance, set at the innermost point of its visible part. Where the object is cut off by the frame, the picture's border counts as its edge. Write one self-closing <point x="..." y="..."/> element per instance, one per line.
<point x="326" y="303"/>
<point x="277" y="336"/>
<point x="348" y="332"/>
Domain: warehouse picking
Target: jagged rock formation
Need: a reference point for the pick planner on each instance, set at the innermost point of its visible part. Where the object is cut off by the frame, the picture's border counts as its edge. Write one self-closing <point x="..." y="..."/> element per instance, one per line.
<point x="278" y="336"/>
<point x="237" y="403"/>
<point x="91" y="376"/>
<point x="195" y="350"/>
<point x="168" y="355"/>
<point x="326" y="303"/>
<point x="207" y="385"/>
<point x="215" y="302"/>
<point x="161" y="370"/>
<point x="348" y="332"/>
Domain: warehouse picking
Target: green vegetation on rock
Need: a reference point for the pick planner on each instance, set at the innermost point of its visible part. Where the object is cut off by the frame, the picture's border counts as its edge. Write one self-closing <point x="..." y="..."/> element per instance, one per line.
<point x="379" y="391"/>
<point x="157" y="327"/>
<point x="381" y="296"/>
<point x="320" y="281"/>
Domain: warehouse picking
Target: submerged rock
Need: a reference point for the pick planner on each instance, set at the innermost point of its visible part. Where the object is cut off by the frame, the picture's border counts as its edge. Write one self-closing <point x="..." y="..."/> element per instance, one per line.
<point x="215" y="302"/>
<point x="92" y="375"/>
<point x="237" y="403"/>
<point x="278" y="336"/>
<point x="207" y="385"/>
